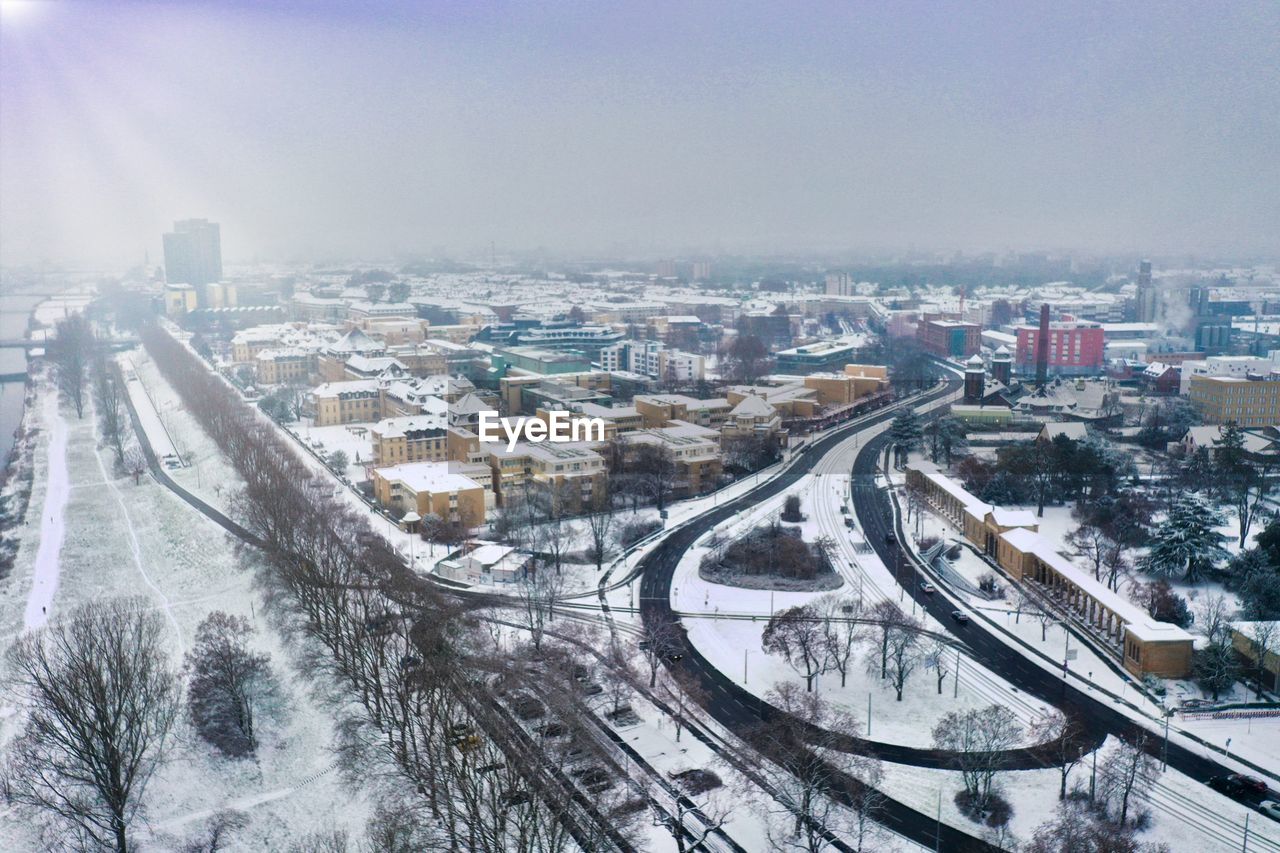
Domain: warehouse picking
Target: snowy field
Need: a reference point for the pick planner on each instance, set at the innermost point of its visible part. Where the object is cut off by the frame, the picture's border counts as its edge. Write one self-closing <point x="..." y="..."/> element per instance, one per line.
<point x="127" y="539"/>
<point x="1184" y="814"/>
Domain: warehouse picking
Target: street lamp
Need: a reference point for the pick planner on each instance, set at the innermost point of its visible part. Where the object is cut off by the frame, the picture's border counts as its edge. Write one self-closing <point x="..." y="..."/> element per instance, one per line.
<point x="410" y="519"/>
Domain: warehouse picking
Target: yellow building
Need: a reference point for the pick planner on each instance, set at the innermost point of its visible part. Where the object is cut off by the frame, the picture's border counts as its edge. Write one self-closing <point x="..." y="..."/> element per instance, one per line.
<point x="431" y="488"/>
<point x="1010" y="538"/>
<point x="572" y="473"/>
<point x="416" y="438"/>
<point x="1248" y="402"/>
<point x="358" y="401"/>
<point x="658" y="410"/>
<point x="695" y="450"/>
<point x="278" y="367"/>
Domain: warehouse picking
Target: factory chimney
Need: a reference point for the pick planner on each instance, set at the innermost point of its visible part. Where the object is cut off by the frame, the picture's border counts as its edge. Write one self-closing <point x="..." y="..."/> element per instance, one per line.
<point x="1042" y="347"/>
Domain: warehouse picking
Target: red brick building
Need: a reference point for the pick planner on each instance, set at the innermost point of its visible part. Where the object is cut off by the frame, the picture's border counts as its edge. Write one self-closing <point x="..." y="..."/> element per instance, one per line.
<point x="1075" y="349"/>
<point x="949" y="338"/>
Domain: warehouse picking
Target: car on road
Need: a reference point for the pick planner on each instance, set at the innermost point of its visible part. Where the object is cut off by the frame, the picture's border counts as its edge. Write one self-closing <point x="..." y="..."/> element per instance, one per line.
<point x="890" y="539"/>
<point x="960" y="616"/>
<point x="1270" y="808"/>
<point x="927" y="588"/>
<point x="1239" y="786"/>
<point x="1249" y="784"/>
<point x="675" y="657"/>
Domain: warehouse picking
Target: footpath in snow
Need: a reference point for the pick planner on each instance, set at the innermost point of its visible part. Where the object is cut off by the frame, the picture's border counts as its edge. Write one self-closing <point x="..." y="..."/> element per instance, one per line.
<point x="44" y="581"/>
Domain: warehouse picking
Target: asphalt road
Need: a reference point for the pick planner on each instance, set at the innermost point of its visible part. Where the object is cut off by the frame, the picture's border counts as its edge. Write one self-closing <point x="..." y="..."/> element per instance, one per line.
<point x="740" y="711"/>
<point x="875" y="515"/>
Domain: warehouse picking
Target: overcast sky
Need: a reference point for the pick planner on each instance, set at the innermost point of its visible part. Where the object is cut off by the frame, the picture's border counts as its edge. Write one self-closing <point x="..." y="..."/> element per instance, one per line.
<point x="324" y="130"/>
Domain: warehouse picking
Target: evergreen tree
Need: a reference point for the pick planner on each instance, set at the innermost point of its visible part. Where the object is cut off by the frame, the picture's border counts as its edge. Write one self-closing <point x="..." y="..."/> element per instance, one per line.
<point x="1187" y="542"/>
<point x="905" y="433"/>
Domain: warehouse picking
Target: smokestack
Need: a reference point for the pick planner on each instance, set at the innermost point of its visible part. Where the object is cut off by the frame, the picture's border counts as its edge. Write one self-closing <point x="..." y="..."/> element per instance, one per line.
<point x="1042" y="348"/>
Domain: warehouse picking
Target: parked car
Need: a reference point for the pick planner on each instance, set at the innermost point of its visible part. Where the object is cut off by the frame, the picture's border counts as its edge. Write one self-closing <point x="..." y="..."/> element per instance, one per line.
<point x="960" y="616"/>
<point x="1270" y="808"/>
<point x="927" y="588"/>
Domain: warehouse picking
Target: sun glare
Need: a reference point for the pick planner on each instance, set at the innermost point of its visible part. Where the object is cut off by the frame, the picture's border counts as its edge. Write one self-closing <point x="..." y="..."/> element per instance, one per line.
<point x="12" y="11"/>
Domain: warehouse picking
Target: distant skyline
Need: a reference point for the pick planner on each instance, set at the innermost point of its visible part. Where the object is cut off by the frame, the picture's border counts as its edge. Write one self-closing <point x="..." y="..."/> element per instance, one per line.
<point x="323" y="130"/>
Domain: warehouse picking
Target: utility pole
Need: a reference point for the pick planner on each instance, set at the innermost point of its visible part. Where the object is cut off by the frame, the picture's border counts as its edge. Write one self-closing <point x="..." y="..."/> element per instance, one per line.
<point x="955" y="680"/>
<point x="868" y="713"/>
<point x="1164" y="752"/>
<point x="744" y="666"/>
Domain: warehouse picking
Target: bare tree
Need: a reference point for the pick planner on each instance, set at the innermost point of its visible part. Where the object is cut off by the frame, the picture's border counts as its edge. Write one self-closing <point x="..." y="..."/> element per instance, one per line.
<point x="229" y="683"/>
<point x="1127" y="775"/>
<point x="904" y="654"/>
<point x="980" y="739"/>
<point x="1213" y="616"/>
<point x="659" y="639"/>
<point x="109" y="402"/>
<point x="938" y="657"/>
<point x="806" y="763"/>
<point x="71" y="352"/>
<point x="683" y="690"/>
<point x="796" y="635"/>
<point x="540" y="591"/>
<point x="600" y="523"/>
<point x="884" y="615"/>
<point x="101" y="697"/>
<point x="1064" y="740"/>
<point x="135" y="464"/>
<point x="1091" y="542"/>
<point x="656" y="467"/>
<point x="1075" y="828"/>
<point x="839" y="634"/>
<point x="1263" y="637"/>
<point x="216" y="833"/>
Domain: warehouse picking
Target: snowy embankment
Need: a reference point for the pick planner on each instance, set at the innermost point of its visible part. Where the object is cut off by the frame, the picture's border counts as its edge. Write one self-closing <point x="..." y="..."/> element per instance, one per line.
<point x="121" y="539"/>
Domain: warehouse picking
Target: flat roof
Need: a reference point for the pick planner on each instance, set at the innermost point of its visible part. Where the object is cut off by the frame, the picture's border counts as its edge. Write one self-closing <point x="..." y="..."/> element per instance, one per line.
<point x="427" y="477"/>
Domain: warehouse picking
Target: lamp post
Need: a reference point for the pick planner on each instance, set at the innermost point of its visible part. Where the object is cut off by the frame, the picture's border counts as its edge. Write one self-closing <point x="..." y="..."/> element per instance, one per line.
<point x="410" y="519"/>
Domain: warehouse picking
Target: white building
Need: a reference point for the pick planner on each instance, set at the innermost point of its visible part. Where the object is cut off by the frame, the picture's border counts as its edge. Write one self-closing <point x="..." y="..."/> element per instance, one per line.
<point x="1238" y="366"/>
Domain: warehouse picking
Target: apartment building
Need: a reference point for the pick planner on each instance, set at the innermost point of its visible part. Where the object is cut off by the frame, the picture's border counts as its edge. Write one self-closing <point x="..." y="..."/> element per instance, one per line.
<point x="694" y="449"/>
<point x="657" y="410"/>
<point x="411" y="439"/>
<point x="1238" y="366"/>
<point x="572" y="473"/>
<point x="355" y="401"/>
<point x="1249" y="402"/>
<point x="432" y="488"/>
<point x="278" y="367"/>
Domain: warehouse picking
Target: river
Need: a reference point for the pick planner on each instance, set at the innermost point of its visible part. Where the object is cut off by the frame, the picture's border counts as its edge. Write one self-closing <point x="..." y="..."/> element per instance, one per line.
<point x="15" y="309"/>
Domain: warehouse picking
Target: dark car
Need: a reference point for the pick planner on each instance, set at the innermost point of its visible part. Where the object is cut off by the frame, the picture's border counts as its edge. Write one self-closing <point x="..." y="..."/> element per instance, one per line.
<point x="1239" y="786"/>
<point x="890" y="539"/>
<point x="960" y="616"/>
<point x="927" y="588"/>
<point x="1249" y="784"/>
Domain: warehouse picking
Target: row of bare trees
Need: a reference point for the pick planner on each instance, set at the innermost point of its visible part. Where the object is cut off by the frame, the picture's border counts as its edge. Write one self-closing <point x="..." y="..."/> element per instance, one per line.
<point x="400" y="647"/>
<point x="824" y="637"/>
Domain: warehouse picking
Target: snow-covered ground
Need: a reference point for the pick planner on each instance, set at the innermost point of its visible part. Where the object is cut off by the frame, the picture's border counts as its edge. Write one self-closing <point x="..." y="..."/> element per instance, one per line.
<point x="351" y="439"/>
<point x="122" y="538"/>
<point x="57" y="490"/>
<point x="1184" y="814"/>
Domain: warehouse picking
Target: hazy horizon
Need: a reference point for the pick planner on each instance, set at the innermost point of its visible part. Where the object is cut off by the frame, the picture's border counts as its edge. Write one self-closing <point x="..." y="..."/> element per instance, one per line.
<point x="323" y="130"/>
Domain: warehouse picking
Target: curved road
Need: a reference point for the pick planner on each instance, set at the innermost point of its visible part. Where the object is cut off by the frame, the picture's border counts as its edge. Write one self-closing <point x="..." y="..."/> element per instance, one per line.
<point x="739" y="710"/>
